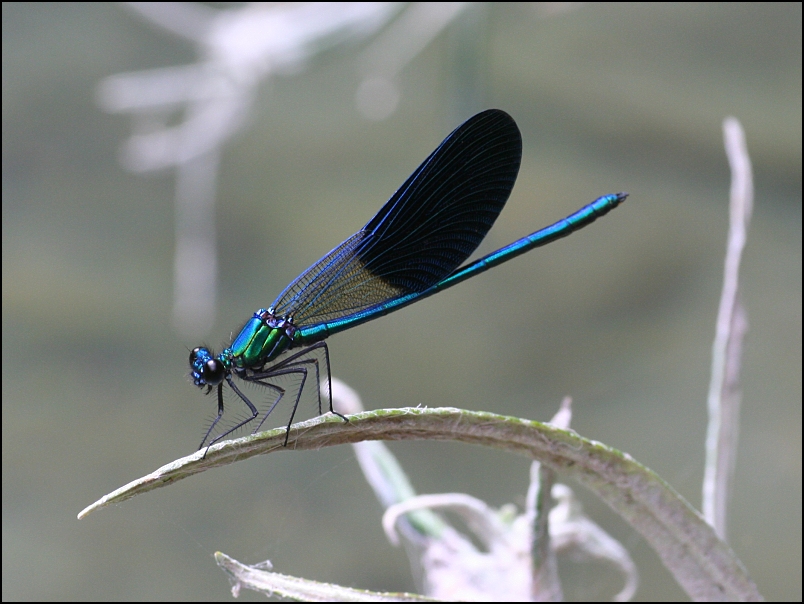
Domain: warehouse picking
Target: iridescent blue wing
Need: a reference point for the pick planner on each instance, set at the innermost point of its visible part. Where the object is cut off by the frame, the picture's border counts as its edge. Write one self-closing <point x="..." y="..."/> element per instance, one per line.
<point x="433" y="222"/>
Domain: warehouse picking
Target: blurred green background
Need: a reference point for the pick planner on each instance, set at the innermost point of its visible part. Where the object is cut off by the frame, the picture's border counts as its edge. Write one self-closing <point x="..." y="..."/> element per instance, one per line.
<point x="620" y="316"/>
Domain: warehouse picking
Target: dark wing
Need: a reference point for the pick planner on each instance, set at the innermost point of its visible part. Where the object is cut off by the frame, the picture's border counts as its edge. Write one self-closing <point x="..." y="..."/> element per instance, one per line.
<point x="434" y="221"/>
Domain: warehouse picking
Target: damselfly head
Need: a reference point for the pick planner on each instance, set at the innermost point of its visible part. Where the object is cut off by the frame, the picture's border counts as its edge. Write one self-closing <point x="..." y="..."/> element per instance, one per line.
<point x="205" y="369"/>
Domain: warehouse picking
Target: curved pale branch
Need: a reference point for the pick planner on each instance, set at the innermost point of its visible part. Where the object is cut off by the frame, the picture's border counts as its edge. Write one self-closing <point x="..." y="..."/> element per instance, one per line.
<point x="703" y="564"/>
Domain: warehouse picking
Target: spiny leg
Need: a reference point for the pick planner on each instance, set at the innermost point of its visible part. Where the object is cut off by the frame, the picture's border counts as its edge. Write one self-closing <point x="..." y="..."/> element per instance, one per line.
<point x="217" y="419"/>
<point x="244" y="398"/>
<point x="298" y="363"/>
<point x="311" y="351"/>
<point x="289" y="370"/>
<point x="329" y="380"/>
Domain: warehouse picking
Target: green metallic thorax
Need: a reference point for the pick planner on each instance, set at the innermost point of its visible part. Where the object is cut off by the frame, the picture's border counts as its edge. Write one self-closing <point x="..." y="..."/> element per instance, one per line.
<point x="262" y="339"/>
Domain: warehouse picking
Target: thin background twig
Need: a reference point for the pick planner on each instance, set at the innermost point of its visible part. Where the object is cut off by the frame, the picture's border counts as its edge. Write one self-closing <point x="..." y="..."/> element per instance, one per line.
<point x="732" y="323"/>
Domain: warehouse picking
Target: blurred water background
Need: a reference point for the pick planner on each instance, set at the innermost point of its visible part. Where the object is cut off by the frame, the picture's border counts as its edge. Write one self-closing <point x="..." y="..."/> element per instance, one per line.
<point x="620" y="316"/>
